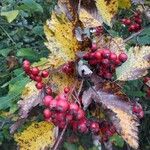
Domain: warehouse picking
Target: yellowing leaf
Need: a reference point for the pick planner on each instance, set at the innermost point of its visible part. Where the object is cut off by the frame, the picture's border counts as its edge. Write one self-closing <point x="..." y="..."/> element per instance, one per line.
<point x="61" y="39"/>
<point x="88" y="20"/>
<point x="107" y="9"/>
<point x="124" y="4"/>
<point x="137" y="64"/>
<point x="37" y="136"/>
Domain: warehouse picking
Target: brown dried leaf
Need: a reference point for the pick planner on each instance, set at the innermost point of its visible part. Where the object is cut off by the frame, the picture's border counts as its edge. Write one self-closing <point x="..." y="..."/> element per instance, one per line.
<point x="111" y="97"/>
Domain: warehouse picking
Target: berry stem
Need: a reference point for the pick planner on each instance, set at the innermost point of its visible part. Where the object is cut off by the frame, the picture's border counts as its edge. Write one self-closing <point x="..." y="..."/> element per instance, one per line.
<point x="60" y="138"/>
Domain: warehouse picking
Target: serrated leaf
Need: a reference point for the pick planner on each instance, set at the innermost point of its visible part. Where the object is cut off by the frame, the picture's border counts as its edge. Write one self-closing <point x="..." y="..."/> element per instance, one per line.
<point x="111" y="98"/>
<point x="137" y="64"/>
<point x="37" y="136"/>
<point x="61" y="39"/>
<point x="10" y="15"/>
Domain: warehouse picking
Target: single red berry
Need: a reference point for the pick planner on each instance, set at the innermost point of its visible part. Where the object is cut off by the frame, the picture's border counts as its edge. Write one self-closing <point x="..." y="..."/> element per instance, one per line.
<point x="94" y="47"/>
<point x="113" y="57"/>
<point x="92" y="55"/>
<point x="105" y="62"/>
<point x="61" y="124"/>
<point x="136" y="109"/>
<point x="38" y="79"/>
<point x="127" y="22"/>
<point x="132" y="28"/>
<point x="45" y="73"/>
<point x="80" y="114"/>
<point x="94" y="127"/>
<point x="112" y="129"/>
<point x="73" y="108"/>
<point x="53" y="104"/>
<point x="97" y="55"/>
<point x="66" y="89"/>
<point x="62" y="105"/>
<point x="82" y="128"/>
<point x="137" y="14"/>
<point x="123" y="57"/>
<point x="60" y="116"/>
<point x="123" y="20"/>
<point x="138" y="20"/>
<point x="35" y="71"/>
<point x="47" y="113"/>
<point x="39" y="85"/>
<point x="26" y="65"/>
<point x="137" y="27"/>
<point x="118" y="63"/>
<point x="47" y="99"/>
<point x="48" y="91"/>
<point x="69" y="118"/>
<point x="106" y="53"/>
<point x="86" y="56"/>
<point x="107" y="75"/>
<point x="32" y="77"/>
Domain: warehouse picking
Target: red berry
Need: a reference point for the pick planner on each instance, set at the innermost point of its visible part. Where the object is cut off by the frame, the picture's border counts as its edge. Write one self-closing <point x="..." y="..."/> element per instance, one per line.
<point x="118" y="63"/>
<point x="106" y="53"/>
<point x="137" y="27"/>
<point x="62" y="97"/>
<point x="138" y="20"/>
<point x="127" y="22"/>
<point x="32" y="77"/>
<point x="47" y="113"/>
<point x="62" y="106"/>
<point x="123" y="20"/>
<point x="60" y="116"/>
<point x="26" y="65"/>
<point x="82" y="128"/>
<point x="53" y="104"/>
<point x="148" y="92"/>
<point x="80" y="114"/>
<point x="45" y="74"/>
<point x="69" y="118"/>
<point x="146" y="79"/>
<point x="73" y="108"/>
<point x="92" y="55"/>
<point x="123" y="57"/>
<point x="94" y="127"/>
<point x="136" y="109"/>
<point x="35" y="71"/>
<point x="47" y="99"/>
<point x="61" y="124"/>
<point x="66" y="89"/>
<point x="38" y="79"/>
<point x="132" y="28"/>
<point x="39" y="85"/>
<point x="105" y="62"/>
<point x="48" y="91"/>
<point x="113" y="57"/>
<point x="97" y="55"/>
<point x="86" y="56"/>
<point x="107" y="75"/>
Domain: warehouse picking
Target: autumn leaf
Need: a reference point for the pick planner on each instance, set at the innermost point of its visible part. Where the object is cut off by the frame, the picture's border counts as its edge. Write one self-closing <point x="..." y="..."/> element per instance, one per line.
<point x="37" y="136"/>
<point x="111" y="98"/>
<point x="137" y="64"/>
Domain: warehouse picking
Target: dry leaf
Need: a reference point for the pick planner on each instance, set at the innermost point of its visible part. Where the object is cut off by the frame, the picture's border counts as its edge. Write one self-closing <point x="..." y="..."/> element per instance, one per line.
<point x="137" y="64"/>
<point x="36" y="137"/>
<point x="111" y="98"/>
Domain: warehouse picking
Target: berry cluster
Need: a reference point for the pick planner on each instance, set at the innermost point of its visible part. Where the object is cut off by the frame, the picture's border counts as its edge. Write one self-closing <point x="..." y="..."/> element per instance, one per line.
<point x="134" y="24"/>
<point x="147" y="82"/>
<point x="97" y="30"/>
<point x="61" y="112"/>
<point x="104" y="61"/>
<point x="68" y="68"/>
<point x="35" y="74"/>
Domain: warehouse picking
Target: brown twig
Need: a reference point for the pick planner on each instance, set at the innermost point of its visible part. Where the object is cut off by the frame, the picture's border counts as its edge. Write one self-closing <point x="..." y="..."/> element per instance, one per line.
<point x="80" y="88"/>
<point x="133" y="35"/>
<point x="59" y="139"/>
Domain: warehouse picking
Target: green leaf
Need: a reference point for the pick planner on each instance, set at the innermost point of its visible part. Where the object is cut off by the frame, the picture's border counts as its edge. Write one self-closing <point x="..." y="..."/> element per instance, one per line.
<point x="10" y="15"/>
<point x="69" y="146"/>
<point x="4" y="52"/>
<point x="117" y="140"/>
<point x="31" y="6"/>
<point x="38" y="30"/>
<point x="27" y="53"/>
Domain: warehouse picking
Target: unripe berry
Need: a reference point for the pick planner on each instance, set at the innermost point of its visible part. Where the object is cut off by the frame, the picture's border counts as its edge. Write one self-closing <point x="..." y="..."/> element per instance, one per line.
<point x="106" y="53"/>
<point x="38" y="79"/>
<point x="47" y="113"/>
<point x="35" y="71"/>
<point x="53" y="104"/>
<point x="80" y="114"/>
<point x="62" y="106"/>
<point x="47" y="99"/>
<point x="123" y="57"/>
<point x="73" y="108"/>
<point x="48" y="91"/>
<point x="94" y="127"/>
<point x="45" y="74"/>
<point x="39" y="85"/>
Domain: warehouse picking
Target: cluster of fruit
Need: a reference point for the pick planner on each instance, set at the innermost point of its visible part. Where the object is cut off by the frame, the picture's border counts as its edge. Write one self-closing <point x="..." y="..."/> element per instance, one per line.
<point x="104" y="60"/>
<point x="97" y="30"/>
<point x="147" y="82"/>
<point x="35" y="74"/>
<point x="61" y="112"/>
<point x="68" y="68"/>
<point x="133" y="24"/>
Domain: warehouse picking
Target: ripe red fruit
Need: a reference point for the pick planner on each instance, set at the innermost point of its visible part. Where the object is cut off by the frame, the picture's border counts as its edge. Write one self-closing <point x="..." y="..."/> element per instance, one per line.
<point x="82" y="128"/>
<point x="127" y="22"/>
<point x="137" y="108"/>
<point x="80" y="114"/>
<point x="146" y="79"/>
<point x="61" y="124"/>
<point x="138" y="20"/>
<point x="94" y="127"/>
<point x="32" y="77"/>
<point x="106" y="53"/>
<point x="47" y="113"/>
<point x="26" y="65"/>
<point x="45" y="74"/>
<point x="105" y="62"/>
<point x="53" y="104"/>
<point x="107" y="75"/>
<point x="69" y="118"/>
<point x="94" y="47"/>
<point x="62" y="105"/>
<point x="118" y="63"/>
<point x="137" y="27"/>
<point x="47" y="99"/>
<point x="132" y="28"/>
<point x="38" y="79"/>
<point x="48" y="91"/>
<point x="39" y="85"/>
<point x="35" y="71"/>
<point x="113" y="57"/>
<point x="97" y="55"/>
<point x="86" y="56"/>
<point x="73" y="108"/>
<point x="60" y="116"/>
<point x="61" y="96"/>
<point x="66" y="89"/>
<point x="123" y="57"/>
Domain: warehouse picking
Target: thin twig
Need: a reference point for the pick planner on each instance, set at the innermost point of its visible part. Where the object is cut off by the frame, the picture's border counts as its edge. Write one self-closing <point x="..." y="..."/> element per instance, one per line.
<point x="133" y="35"/>
<point x="80" y="88"/>
<point x="59" y="139"/>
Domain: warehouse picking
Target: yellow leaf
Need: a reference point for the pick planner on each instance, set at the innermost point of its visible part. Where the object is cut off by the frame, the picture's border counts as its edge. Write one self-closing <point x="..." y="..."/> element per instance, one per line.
<point x="124" y="4"/>
<point x="137" y="64"/>
<point x="61" y="39"/>
<point x="88" y="20"/>
<point x="107" y="9"/>
<point x="36" y="137"/>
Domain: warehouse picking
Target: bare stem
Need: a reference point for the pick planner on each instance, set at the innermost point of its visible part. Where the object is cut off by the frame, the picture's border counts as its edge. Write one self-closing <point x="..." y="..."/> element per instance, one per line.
<point x="80" y="88"/>
<point x="59" y="139"/>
